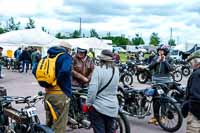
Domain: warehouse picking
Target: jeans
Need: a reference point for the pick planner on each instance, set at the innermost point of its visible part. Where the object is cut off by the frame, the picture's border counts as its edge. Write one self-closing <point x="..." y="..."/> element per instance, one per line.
<point x="25" y="62"/>
<point x="101" y="123"/>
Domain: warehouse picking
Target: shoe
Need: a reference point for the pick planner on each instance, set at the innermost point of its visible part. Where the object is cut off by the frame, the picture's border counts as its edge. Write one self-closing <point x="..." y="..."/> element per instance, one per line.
<point x="1" y="77"/>
<point x="153" y="121"/>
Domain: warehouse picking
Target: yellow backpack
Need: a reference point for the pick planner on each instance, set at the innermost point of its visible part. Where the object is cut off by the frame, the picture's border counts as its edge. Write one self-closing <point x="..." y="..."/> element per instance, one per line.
<point x="46" y="72"/>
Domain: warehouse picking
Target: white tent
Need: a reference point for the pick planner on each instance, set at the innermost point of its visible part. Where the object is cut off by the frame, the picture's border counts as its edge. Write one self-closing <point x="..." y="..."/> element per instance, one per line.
<point x="88" y="43"/>
<point x="29" y="37"/>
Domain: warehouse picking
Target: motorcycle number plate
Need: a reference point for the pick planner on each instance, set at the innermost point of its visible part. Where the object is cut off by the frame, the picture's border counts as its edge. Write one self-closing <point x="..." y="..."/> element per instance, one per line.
<point x="160" y="91"/>
<point x="31" y="112"/>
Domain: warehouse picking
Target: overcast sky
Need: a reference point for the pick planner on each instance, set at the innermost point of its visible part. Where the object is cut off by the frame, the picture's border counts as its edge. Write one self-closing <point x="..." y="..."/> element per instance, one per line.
<point x="116" y="16"/>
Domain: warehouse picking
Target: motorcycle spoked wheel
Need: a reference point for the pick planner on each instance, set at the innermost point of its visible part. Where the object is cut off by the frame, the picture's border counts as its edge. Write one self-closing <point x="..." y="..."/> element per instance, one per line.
<point x="186" y="71"/>
<point x="169" y="112"/>
<point x="177" y="76"/>
<point x="127" y="79"/>
<point x="142" y="78"/>
<point x="122" y="124"/>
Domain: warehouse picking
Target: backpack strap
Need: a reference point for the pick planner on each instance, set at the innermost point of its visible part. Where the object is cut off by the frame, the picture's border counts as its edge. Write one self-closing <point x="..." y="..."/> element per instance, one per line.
<point x="103" y="88"/>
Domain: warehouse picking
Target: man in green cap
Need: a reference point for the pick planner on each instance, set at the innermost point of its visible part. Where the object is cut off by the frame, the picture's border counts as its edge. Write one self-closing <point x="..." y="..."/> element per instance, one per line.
<point x="193" y="95"/>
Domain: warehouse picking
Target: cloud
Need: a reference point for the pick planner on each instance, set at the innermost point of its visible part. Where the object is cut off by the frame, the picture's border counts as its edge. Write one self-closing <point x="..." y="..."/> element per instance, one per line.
<point x="115" y="16"/>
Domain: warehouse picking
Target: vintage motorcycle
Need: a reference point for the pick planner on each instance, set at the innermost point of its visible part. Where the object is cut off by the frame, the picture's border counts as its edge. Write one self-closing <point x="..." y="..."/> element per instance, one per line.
<point x="138" y="103"/>
<point x="126" y="76"/>
<point x="79" y="118"/>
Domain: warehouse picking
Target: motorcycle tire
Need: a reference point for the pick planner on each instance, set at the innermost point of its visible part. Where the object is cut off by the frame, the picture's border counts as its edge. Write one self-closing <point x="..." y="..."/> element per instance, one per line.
<point x="122" y="124"/>
<point x="127" y="79"/>
<point x="186" y="71"/>
<point x="8" y="67"/>
<point x="142" y="78"/>
<point x="177" y="76"/>
<point x="167" y="109"/>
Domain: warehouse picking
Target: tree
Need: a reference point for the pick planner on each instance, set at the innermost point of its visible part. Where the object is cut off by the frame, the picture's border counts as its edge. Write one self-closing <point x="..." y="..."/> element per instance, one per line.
<point x="172" y="42"/>
<point x="75" y="34"/>
<point x="45" y="30"/>
<point x="59" y="35"/>
<point x="93" y="33"/>
<point x="154" y="39"/>
<point x="2" y="30"/>
<point x="12" y="25"/>
<point x="118" y="40"/>
<point x="30" y="24"/>
<point x="137" y="40"/>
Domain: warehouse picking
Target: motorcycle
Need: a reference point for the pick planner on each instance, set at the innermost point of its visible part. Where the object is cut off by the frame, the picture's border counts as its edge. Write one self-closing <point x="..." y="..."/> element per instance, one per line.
<point x="138" y="103"/>
<point x="126" y="76"/>
<point x="79" y="118"/>
<point x="143" y="74"/>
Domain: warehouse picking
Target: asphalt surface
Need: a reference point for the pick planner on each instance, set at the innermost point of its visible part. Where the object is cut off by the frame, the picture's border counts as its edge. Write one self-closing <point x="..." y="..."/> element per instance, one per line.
<point x="24" y="84"/>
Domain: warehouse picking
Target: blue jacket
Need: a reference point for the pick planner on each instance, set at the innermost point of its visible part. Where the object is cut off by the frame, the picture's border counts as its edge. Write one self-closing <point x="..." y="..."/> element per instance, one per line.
<point x="63" y="69"/>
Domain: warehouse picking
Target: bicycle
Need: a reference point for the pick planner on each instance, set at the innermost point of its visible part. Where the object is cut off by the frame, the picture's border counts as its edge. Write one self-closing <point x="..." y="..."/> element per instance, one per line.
<point x="24" y="120"/>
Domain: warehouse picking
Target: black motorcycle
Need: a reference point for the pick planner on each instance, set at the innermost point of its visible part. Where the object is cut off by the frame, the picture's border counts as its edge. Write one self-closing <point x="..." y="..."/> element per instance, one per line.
<point x="143" y="74"/>
<point x="126" y="76"/>
<point x="79" y="118"/>
<point x="138" y="103"/>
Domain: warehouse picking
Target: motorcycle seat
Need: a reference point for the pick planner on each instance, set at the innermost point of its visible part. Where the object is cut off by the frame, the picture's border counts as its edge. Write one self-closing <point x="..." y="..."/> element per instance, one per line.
<point x="136" y="91"/>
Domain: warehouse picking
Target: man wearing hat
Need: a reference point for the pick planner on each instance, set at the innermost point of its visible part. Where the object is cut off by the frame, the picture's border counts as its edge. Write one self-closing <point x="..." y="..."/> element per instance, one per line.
<point x="102" y="94"/>
<point x="193" y="95"/>
<point x="59" y="95"/>
<point x="1" y="50"/>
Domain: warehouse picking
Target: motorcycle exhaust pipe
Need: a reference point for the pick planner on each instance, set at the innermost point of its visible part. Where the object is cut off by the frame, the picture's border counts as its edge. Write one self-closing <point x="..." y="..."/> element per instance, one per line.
<point x="72" y="121"/>
<point x="86" y="123"/>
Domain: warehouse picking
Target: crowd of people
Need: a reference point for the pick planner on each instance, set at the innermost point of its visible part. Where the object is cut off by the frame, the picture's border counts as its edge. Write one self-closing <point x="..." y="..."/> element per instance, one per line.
<point x="80" y="72"/>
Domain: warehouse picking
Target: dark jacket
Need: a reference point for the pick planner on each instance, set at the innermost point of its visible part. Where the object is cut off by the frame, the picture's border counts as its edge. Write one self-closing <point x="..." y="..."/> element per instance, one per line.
<point x="193" y="93"/>
<point x="25" y="56"/>
<point x="63" y="69"/>
<point x="161" y="68"/>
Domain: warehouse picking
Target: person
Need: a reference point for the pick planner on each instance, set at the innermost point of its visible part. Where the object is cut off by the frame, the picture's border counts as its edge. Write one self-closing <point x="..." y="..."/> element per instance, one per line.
<point x="25" y="58"/>
<point x="91" y="54"/>
<point x="59" y="96"/>
<point x="17" y="54"/>
<point x="161" y="67"/>
<point x="116" y="57"/>
<point x="193" y="94"/>
<point x="82" y="70"/>
<point x="151" y="57"/>
<point x="34" y="56"/>
<point x="1" y="56"/>
<point x="103" y="106"/>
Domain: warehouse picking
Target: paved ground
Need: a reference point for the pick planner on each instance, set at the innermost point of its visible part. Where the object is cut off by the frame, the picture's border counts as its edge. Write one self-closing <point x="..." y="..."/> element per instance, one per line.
<point x="24" y="84"/>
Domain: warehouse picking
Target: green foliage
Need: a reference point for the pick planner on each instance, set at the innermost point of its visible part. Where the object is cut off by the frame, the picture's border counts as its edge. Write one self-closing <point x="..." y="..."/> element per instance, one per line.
<point x="12" y="25"/>
<point x="30" y="24"/>
<point x="60" y="36"/>
<point x="118" y="40"/>
<point x="93" y="33"/>
<point x="75" y="34"/>
<point x="137" y="40"/>
<point x="172" y="42"/>
<point x="154" y="39"/>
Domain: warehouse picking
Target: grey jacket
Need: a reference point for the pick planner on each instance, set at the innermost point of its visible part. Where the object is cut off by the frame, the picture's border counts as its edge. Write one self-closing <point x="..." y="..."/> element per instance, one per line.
<point x="106" y="102"/>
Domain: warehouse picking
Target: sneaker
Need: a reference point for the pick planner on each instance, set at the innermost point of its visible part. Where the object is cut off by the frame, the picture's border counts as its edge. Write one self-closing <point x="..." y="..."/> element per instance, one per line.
<point x="153" y="121"/>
